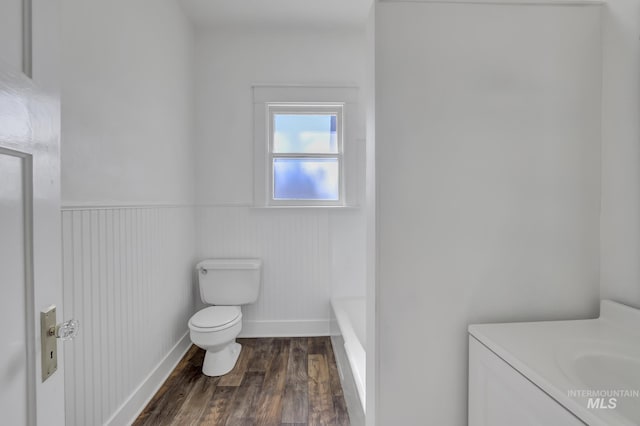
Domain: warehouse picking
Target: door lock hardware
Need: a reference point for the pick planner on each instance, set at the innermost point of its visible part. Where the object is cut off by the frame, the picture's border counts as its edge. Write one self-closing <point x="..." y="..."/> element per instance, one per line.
<point x="49" y="333"/>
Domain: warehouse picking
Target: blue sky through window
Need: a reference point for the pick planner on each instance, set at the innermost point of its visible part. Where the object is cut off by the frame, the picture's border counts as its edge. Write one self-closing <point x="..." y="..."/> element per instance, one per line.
<point x="305" y="133"/>
<point x="306" y="179"/>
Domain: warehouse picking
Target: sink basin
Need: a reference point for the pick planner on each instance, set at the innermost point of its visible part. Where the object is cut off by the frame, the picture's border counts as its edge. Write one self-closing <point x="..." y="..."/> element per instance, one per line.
<point x="607" y="370"/>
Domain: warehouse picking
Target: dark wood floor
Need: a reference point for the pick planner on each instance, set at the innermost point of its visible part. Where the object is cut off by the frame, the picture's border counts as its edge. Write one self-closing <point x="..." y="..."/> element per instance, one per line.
<point x="276" y="381"/>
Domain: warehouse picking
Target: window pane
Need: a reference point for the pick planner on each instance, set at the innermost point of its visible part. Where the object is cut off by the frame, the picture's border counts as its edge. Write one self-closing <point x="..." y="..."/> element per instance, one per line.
<point x="305" y="133"/>
<point x="306" y="179"/>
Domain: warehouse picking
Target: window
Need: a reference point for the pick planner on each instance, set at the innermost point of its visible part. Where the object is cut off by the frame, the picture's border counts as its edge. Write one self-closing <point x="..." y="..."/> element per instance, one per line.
<point x="304" y="149"/>
<point x="305" y="153"/>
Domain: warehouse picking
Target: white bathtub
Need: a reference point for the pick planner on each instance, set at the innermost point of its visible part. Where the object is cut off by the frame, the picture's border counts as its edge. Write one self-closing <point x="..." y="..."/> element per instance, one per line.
<point x="348" y="336"/>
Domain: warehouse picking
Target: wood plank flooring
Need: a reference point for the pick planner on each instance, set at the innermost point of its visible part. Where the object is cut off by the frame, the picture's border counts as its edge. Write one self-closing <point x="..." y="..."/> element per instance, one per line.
<point x="276" y="381"/>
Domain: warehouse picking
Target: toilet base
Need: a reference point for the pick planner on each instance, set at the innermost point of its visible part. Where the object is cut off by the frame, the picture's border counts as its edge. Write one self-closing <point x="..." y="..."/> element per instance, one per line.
<point x="222" y="361"/>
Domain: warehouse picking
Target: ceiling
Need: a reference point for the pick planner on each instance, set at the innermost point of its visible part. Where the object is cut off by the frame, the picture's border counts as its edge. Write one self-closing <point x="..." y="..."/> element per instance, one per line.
<point x="277" y="13"/>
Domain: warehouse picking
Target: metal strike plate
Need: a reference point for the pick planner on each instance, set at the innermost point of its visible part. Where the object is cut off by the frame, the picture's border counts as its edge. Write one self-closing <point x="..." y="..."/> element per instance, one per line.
<point x="49" y="343"/>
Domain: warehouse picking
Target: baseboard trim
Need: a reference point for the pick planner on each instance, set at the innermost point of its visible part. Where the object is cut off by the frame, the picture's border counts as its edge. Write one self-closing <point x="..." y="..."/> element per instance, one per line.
<point x="290" y="328"/>
<point x="133" y="406"/>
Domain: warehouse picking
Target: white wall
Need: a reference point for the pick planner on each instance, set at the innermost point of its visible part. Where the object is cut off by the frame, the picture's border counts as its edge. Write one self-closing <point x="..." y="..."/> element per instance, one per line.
<point x="228" y="62"/>
<point x="128" y="189"/>
<point x="620" y="225"/>
<point x="329" y="244"/>
<point x="127" y="279"/>
<point x="488" y="174"/>
<point x="348" y="256"/>
<point x="370" y="212"/>
<point x="128" y="103"/>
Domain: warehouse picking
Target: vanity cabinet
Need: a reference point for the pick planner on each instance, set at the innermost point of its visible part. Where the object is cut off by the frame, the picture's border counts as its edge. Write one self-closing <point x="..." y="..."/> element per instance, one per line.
<point x="500" y="396"/>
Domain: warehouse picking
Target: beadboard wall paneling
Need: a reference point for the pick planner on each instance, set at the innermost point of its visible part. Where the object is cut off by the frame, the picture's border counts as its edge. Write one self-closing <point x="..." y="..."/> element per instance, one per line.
<point x="294" y="246"/>
<point x="128" y="279"/>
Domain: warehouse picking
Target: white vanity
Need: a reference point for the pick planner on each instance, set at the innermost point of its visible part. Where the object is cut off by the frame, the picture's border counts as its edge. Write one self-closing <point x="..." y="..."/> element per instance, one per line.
<point x="557" y="372"/>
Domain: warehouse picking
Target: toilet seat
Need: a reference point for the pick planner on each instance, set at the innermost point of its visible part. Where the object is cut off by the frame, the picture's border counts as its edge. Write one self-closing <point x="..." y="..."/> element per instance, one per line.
<point x="215" y="318"/>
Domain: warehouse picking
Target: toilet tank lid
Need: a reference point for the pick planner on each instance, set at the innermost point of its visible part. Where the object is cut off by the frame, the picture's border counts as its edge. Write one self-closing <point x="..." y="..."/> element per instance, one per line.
<point x="229" y="264"/>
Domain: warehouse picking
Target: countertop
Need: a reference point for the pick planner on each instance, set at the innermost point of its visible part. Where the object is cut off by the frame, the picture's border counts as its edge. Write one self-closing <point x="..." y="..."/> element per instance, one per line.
<point x="543" y="352"/>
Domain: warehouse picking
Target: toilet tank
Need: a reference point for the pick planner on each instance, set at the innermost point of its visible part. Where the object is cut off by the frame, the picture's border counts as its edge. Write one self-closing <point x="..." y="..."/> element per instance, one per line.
<point x="229" y="281"/>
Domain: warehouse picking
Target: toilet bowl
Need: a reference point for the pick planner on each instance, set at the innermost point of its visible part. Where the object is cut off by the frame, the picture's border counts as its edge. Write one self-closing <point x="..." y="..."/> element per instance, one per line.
<point x="215" y="329"/>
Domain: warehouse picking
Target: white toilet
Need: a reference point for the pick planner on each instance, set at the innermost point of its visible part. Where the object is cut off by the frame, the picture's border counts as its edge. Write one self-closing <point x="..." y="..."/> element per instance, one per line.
<point x="225" y="283"/>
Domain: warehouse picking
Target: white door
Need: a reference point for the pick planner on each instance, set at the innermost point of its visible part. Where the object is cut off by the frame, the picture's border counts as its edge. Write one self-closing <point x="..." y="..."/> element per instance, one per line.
<point x="30" y="278"/>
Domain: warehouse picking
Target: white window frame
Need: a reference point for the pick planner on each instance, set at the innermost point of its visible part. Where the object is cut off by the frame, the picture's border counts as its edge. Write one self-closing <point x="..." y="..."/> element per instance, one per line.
<point x="316" y="108"/>
<point x="267" y="100"/>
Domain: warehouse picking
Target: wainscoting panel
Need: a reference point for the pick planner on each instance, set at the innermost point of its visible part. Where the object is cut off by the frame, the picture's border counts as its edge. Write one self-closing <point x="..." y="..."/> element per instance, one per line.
<point x="294" y="247"/>
<point x="128" y="279"/>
